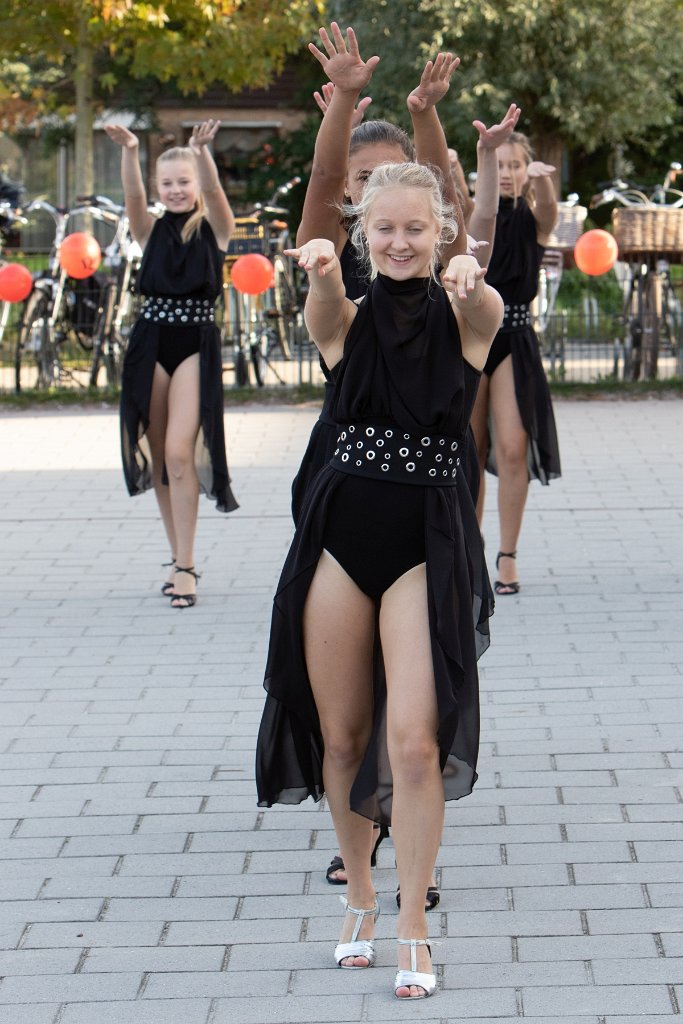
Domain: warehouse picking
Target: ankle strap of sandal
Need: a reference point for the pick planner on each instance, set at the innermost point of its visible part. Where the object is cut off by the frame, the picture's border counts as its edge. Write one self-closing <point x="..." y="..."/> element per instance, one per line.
<point x="190" y="571"/>
<point x="505" y="554"/>
<point x="166" y="565"/>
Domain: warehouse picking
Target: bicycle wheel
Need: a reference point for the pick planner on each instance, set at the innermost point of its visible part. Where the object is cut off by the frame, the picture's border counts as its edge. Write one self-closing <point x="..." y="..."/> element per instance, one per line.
<point x="36" y="362"/>
<point x="286" y="306"/>
<point x="125" y="314"/>
<point x="101" y="332"/>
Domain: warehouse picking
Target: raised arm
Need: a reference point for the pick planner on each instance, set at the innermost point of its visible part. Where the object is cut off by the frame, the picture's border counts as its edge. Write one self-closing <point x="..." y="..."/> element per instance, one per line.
<point x="328" y="313"/>
<point x="478" y="308"/>
<point x="218" y="210"/>
<point x="140" y="220"/>
<point x="482" y="222"/>
<point x="324" y="97"/>
<point x="544" y="206"/>
<point x="349" y="74"/>
<point x="430" y="142"/>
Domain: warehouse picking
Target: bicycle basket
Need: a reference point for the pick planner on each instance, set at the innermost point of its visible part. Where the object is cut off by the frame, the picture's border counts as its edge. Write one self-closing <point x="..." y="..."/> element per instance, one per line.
<point x="649" y="229"/>
<point x="569" y="227"/>
<point x="249" y="236"/>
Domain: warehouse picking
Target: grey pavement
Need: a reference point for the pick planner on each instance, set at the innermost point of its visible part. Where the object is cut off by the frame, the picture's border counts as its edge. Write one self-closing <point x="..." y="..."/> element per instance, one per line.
<point x="140" y="884"/>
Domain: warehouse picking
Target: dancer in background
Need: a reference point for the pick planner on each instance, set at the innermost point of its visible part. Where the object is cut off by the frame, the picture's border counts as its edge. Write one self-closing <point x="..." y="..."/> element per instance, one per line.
<point x="513" y="419"/>
<point x="172" y="433"/>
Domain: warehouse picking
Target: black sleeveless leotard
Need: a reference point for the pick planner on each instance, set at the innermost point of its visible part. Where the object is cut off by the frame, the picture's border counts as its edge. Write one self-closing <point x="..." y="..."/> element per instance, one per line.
<point x="403" y="369"/>
<point x="182" y="270"/>
<point x="513" y="271"/>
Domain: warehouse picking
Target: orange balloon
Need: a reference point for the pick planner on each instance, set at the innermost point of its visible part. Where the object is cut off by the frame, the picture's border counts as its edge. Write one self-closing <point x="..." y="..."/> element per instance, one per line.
<point x="252" y="274"/>
<point x="16" y="283"/>
<point x="80" y="254"/>
<point x="596" y="252"/>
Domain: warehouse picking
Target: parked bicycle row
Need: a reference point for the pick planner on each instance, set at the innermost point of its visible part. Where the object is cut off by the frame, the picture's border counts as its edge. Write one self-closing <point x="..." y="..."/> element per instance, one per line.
<point x="75" y="320"/>
<point x="79" y="309"/>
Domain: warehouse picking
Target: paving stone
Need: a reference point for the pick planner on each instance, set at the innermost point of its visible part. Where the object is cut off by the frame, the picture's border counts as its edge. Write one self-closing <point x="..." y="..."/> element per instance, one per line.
<point x="127" y="737"/>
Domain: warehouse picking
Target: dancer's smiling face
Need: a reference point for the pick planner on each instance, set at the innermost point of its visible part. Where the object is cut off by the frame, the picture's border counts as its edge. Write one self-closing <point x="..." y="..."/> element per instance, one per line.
<point x="402" y="232"/>
<point x="177" y="185"/>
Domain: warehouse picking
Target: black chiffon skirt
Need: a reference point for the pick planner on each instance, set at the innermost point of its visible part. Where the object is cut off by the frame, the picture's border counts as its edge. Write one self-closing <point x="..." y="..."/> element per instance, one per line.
<point x="289" y="752"/>
<point x="319" y="451"/>
<point x="136" y="389"/>
<point x="534" y="403"/>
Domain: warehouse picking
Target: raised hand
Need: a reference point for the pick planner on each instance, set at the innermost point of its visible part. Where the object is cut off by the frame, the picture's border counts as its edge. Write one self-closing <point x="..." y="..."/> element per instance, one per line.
<point x="537" y="169"/>
<point x="434" y="83"/>
<point x="324" y="97"/>
<point x="342" y="62"/>
<point x="498" y="134"/>
<point x="318" y="254"/>
<point x="474" y="246"/>
<point x="462" y="277"/>
<point x="122" y="136"/>
<point x="203" y="134"/>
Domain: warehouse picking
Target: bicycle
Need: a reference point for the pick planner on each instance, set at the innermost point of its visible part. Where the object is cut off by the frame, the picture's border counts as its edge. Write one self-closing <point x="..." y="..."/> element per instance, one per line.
<point x="264" y="328"/>
<point x="11" y="219"/>
<point x="568" y="228"/>
<point x="119" y="304"/>
<point x="648" y="227"/>
<point x="58" y="310"/>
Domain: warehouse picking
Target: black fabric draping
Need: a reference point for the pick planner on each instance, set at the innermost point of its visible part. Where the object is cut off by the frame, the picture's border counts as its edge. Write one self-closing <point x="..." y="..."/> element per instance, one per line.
<point x="322" y="441"/>
<point x="415" y="342"/>
<point x="402" y="365"/>
<point x="193" y="269"/>
<point x="513" y="271"/>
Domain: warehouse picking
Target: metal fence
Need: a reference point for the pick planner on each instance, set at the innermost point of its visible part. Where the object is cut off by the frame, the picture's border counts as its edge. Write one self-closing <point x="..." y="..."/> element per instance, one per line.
<point x="573" y="349"/>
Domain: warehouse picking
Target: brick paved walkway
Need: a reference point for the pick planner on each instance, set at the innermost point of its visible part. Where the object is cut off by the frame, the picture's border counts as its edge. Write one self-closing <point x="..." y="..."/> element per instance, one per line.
<point x="139" y="882"/>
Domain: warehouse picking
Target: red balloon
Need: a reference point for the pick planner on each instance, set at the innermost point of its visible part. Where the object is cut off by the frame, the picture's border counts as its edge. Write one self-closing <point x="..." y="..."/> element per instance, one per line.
<point x="80" y="254"/>
<point x="252" y="274"/>
<point x="16" y="283"/>
<point x="596" y="252"/>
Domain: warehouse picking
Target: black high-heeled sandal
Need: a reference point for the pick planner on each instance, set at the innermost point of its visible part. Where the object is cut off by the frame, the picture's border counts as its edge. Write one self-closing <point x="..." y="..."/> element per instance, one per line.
<point x="432" y="899"/>
<point x="167" y="587"/>
<point x="189" y="599"/>
<point x="337" y="863"/>
<point x="503" y="589"/>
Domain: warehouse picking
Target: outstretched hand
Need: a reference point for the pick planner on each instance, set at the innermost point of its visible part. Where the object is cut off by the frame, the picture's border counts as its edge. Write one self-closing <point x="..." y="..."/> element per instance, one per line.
<point x="324" y="97"/>
<point x="343" y="63"/>
<point x="434" y="83"/>
<point x="122" y="136"/>
<point x="203" y="134"/>
<point x="473" y="246"/>
<point x="537" y="169"/>
<point x="462" y="277"/>
<point x="498" y="134"/>
<point x="318" y="254"/>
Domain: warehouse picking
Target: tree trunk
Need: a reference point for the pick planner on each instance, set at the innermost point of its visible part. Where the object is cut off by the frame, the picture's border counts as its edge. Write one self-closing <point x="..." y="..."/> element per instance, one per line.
<point x="85" y="110"/>
<point x="550" y="149"/>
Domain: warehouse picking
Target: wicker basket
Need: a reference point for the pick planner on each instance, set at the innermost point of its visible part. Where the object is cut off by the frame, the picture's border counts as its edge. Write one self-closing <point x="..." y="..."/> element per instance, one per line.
<point x="249" y="236"/>
<point x="648" y="229"/>
<point x="569" y="226"/>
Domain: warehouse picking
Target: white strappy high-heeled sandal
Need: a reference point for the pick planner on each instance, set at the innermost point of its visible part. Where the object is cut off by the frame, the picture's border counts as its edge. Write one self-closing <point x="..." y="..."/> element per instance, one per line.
<point x="357" y="947"/>
<point x="404" y="979"/>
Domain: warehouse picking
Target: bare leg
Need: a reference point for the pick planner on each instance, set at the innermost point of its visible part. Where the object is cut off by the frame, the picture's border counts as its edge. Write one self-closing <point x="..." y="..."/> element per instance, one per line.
<point x="338" y="641"/>
<point x="156" y="435"/>
<point x="511" y="442"/>
<point x="418" y="800"/>
<point x="181" y="436"/>
<point x="480" y="429"/>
